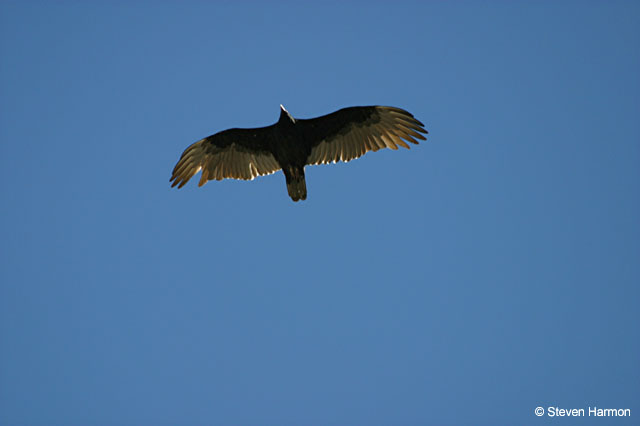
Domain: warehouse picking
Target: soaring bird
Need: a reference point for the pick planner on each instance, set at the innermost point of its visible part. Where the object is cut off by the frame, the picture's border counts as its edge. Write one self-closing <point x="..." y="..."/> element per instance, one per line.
<point x="291" y="144"/>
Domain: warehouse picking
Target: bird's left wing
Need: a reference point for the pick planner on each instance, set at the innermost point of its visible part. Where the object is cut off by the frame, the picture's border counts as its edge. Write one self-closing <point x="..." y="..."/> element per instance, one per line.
<point x="234" y="153"/>
<point x="351" y="132"/>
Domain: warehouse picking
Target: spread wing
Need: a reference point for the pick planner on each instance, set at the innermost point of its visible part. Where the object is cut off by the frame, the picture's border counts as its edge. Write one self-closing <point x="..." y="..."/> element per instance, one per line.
<point x="234" y="153"/>
<point x="351" y="132"/>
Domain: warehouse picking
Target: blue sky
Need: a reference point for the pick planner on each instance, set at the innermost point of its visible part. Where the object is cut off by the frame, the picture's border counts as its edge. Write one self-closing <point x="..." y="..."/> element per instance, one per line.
<point x="490" y="270"/>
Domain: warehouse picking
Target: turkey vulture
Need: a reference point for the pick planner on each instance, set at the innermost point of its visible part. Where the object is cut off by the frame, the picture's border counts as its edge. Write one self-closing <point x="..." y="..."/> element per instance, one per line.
<point x="291" y="144"/>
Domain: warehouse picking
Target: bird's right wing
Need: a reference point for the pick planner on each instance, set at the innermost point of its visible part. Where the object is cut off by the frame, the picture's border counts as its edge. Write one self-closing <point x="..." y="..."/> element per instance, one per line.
<point x="351" y="132"/>
<point x="234" y="153"/>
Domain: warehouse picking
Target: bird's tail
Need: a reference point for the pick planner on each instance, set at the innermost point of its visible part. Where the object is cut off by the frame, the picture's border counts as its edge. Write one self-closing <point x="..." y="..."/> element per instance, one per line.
<point x="296" y="185"/>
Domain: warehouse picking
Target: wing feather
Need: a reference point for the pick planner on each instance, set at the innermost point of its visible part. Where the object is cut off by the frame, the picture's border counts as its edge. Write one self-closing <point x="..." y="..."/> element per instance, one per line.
<point x="396" y="136"/>
<point x="374" y="142"/>
<point x="351" y="132"/>
<point x="387" y="140"/>
<point x="365" y="141"/>
<point x="410" y="132"/>
<point x="235" y="153"/>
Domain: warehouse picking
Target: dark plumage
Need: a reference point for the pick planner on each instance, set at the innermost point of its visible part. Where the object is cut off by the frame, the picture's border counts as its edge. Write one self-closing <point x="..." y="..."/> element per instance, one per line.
<point x="291" y="144"/>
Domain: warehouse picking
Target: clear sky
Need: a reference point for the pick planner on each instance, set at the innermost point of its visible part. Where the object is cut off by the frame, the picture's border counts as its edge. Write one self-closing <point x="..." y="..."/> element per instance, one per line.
<point x="490" y="270"/>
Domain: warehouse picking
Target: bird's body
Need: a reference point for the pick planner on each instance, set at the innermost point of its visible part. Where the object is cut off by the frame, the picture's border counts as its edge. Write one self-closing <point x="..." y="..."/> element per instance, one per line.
<point x="291" y="144"/>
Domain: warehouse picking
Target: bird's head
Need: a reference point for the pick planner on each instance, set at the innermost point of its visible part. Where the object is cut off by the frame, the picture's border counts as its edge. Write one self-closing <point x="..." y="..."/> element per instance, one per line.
<point x="285" y="116"/>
